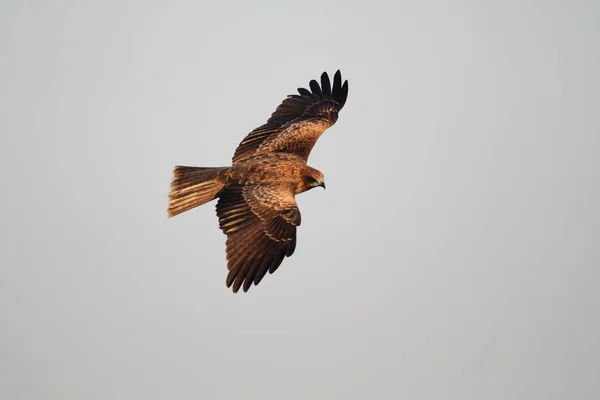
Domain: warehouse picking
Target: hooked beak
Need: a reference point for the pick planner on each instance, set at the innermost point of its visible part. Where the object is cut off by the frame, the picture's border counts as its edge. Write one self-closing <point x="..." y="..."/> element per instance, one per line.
<point x="322" y="185"/>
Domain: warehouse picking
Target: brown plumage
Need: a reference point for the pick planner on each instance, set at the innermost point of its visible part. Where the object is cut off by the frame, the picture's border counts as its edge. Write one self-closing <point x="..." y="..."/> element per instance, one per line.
<point x="257" y="209"/>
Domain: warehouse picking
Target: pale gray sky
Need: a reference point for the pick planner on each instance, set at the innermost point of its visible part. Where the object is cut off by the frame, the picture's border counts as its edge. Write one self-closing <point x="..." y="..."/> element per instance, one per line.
<point x="454" y="255"/>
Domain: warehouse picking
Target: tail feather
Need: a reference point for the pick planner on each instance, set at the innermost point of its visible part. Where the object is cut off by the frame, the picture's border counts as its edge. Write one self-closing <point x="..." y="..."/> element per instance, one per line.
<point x="194" y="186"/>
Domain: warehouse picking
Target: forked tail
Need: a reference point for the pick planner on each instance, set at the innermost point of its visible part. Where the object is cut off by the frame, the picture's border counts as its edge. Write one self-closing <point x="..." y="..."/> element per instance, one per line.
<point x="194" y="186"/>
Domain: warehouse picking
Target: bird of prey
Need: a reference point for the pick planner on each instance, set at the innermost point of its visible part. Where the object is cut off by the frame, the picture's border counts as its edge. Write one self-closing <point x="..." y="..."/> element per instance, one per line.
<point x="257" y="209"/>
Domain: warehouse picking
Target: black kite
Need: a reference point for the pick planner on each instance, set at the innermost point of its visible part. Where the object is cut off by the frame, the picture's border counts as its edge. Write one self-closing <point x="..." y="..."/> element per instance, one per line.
<point x="257" y="208"/>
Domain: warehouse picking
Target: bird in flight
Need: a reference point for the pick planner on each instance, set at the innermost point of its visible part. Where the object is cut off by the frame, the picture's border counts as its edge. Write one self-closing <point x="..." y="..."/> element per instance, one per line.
<point x="257" y="209"/>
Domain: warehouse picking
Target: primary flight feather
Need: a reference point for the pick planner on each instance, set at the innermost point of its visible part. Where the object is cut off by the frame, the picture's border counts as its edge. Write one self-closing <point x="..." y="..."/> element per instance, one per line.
<point x="257" y="209"/>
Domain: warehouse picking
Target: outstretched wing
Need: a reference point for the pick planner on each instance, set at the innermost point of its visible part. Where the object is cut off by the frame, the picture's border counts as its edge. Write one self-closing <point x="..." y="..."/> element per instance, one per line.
<point x="260" y="223"/>
<point x="298" y="121"/>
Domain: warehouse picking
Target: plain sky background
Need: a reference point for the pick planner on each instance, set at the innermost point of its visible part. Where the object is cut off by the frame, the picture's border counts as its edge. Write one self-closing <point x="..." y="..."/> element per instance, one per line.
<point x="454" y="255"/>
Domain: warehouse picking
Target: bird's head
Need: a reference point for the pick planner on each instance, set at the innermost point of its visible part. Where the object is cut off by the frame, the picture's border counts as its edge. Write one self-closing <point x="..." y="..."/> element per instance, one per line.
<point x="313" y="178"/>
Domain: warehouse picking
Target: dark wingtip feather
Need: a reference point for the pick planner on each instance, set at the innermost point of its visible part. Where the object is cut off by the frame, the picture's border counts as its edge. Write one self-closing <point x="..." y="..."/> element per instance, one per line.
<point x="251" y="273"/>
<point x="264" y="266"/>
<point x="316" y="89"/>
<point x="325" y="84"/>
<point x="239" y="279"/>
<point x="337" y="82"/>
<point x="231" y="276"/>
<point x="339" y="92"/>
<point x="290" y="249"/>
<point x="343" y="94"/>
<point x="276" y="262"/>
<point x="304" y="92"/>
